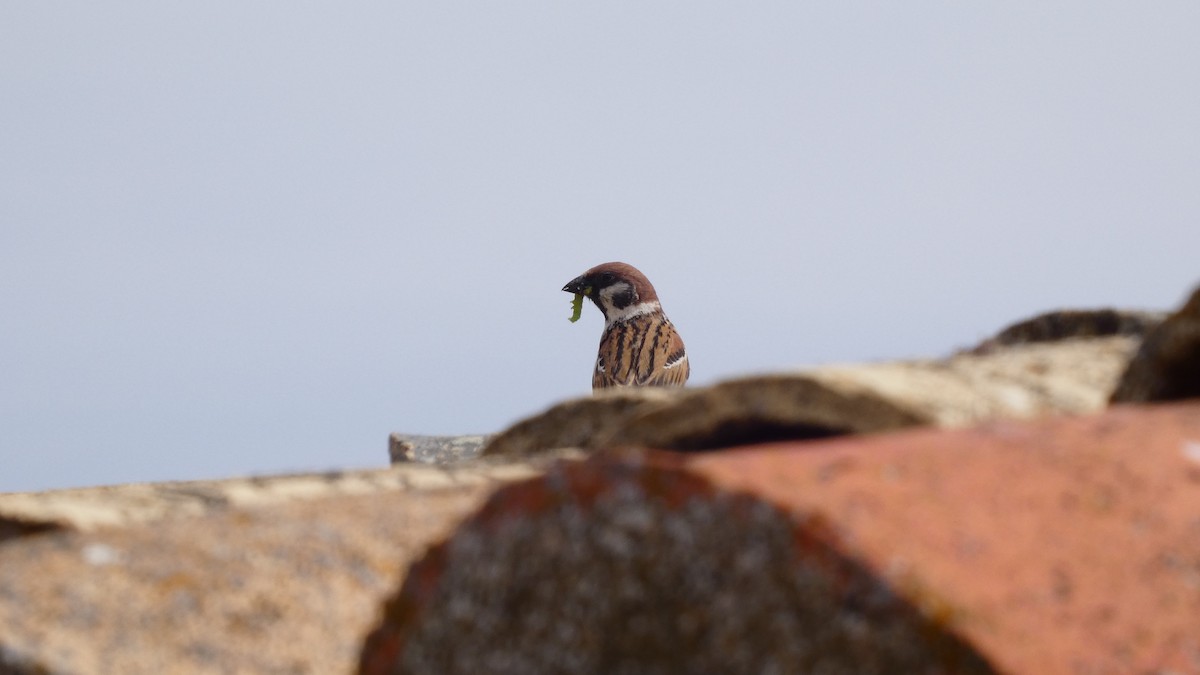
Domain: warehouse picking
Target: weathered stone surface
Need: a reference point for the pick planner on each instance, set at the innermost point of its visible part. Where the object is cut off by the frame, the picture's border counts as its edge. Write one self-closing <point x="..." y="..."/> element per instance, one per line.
<point x="1019" y="382"/>
<point x="117" y="505"/>
<point x="1064" y="545"/>
<point x="288" y="587"/>
<point x="1023" y="381"/>
<point x="1073" y="323"/>
<point x="1167" y="366"/>
<point x="635" y="566"/>
<point x="434" y="449"/>
<point x="267" y="574"/>
<point x="13" y="527"/>
<point x="579" y="423"/>
<point x="759" y="409"/>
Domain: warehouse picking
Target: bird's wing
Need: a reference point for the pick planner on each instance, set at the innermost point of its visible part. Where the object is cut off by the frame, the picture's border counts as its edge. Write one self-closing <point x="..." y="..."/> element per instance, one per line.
<point x="615" y="363"/>
<point x="669" y="367"/>
<point x="601" y="378"/>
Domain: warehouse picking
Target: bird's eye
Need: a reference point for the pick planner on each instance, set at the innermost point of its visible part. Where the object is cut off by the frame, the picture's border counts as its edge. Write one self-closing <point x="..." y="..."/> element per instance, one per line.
<point x="607" y="277"/>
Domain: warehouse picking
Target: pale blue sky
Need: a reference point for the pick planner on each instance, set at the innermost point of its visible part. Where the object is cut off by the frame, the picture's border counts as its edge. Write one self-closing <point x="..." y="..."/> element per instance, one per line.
<point x="258" y="237"/>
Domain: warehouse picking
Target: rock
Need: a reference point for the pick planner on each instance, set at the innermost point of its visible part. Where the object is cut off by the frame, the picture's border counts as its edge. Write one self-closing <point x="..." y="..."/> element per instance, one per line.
<point x="93" y="508"/>
<point x="1167" y="366"/>
<point x="283" y="587"/>
<point x="1067" y="324"/>
<point x="12" y="527"/>
<point x="266" y="574"/>
<point x="579" y="423"/>
<point x="434" y="449"/>
<point x="1024" y="381"/>
<point x="760" y="409"/>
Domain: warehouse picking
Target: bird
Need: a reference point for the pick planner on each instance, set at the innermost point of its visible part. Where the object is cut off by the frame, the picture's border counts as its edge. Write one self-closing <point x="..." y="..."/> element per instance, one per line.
<point x="639" y="346"/>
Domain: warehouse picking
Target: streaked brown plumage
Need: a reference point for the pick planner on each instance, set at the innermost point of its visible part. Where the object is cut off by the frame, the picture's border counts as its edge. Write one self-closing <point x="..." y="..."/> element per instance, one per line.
<point x="640" y="346"/>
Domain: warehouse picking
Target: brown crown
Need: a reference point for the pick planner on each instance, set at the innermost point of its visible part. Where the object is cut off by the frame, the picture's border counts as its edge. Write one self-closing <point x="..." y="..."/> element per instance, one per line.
<point x="628" y="273"/>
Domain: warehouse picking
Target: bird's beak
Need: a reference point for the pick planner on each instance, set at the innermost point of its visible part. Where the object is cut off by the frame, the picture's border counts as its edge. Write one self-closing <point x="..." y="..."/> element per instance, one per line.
<point x="577" y="285"/>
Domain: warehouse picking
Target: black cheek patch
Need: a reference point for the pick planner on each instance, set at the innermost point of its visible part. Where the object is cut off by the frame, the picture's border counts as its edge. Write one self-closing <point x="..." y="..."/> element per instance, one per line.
<point x="624" y="299"/>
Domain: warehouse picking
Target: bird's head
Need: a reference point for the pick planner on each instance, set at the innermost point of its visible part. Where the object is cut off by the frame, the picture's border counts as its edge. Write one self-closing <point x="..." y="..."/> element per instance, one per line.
<point x="616" y="288"/>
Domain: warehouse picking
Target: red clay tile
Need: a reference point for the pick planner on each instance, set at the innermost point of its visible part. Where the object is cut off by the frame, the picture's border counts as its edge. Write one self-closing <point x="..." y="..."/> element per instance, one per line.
<point x="632" y="564"/>
<point x="1066" y="545"/>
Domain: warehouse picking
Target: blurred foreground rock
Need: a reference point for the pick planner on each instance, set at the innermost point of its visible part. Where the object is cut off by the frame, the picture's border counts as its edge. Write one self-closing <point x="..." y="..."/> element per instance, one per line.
<point x="1065" y="324"/>
<point x="265" y="575"/>
<point x="1167" y="365"/>
<point x="92" y="508"/>
<point x="1065" y="545"/>
<point x="1019" y="381"/>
